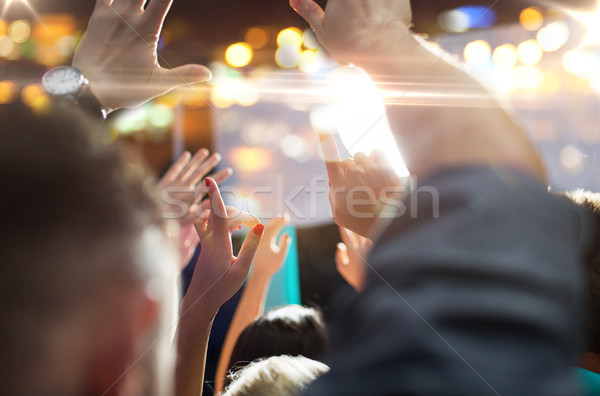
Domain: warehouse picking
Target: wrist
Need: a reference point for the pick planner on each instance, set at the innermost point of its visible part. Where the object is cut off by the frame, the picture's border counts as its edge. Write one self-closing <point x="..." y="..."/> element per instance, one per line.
<point x="202" y="308"/>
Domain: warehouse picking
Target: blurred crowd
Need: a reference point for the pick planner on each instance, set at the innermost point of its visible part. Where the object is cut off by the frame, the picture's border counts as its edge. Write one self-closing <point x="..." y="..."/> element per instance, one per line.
<point x="468" y="277"/>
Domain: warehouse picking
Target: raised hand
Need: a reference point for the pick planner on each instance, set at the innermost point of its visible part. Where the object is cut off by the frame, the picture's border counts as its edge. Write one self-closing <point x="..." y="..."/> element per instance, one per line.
<point x="351" y="256"/>
<point x="349" y="29"/>
<point x="271" y="254"/>
<point x="118" y="54"/>
<point x="359" y="188"/>
<point x="182" y="188"/>
<point x="219" y="274"/>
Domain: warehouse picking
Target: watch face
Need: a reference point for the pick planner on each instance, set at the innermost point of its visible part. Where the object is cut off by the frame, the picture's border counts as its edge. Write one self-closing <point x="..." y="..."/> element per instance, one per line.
<point x="62" y="81"/>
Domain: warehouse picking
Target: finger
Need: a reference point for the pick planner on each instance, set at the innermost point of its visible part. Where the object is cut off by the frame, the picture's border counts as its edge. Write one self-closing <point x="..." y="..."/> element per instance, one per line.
<point x="379" y="157"/>
<point x="348" y="237"/>
<point x="219" y="177"/>
<point x="222" y="175"/>
<point x="248" y="250"/>
<point x="283" y="247"/>
<point x="193" y="164"/>
<point x="177" y="167"/>
<point x="201" y="224"/>
<point x="362" y="159"/>
<point x="348" y="164"/>
<point x="275" y="226"/>
<point x="102" y="3"/>
<point x="157" y="11"/>
<point x="331" y="156"/>
<point x="217" y="223"/>
<point x="202" y="168"/>
<point x="168" y="79"/>
<point x="341" y="256"/>
<point x="237" y="218"/>
<point x="310" y="11"/>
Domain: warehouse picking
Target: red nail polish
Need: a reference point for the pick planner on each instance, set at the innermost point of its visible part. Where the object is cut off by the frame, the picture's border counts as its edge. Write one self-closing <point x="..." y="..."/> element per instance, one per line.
<point x="207" y="182"/>
<point x="259" y="229"/>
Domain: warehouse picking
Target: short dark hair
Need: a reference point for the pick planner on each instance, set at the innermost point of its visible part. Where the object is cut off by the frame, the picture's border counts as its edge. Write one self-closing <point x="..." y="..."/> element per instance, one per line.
<point x="72" y="217"/>
<point x="591" y="202"/>
<point x="288" y="330"/>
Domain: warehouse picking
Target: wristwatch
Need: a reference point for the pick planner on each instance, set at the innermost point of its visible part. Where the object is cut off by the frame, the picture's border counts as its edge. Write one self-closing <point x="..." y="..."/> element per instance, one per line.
<point x="68" y="83"/>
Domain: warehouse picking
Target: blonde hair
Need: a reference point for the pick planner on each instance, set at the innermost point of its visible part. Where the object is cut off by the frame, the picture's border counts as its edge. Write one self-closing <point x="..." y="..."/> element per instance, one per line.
<point x="277" y="375"/>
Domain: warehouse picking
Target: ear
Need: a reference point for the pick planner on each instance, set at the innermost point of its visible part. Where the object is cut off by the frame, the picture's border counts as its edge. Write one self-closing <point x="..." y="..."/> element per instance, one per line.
<point x="121" y="343"/>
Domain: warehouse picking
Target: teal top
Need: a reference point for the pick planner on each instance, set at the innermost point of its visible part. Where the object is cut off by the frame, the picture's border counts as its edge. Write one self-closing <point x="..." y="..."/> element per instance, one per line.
<point x="589" y="381"/>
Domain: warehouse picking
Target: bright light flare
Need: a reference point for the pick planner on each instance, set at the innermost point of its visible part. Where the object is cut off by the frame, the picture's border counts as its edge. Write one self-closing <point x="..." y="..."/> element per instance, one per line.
<point x="9" y="3"/>
<point x="359" y="117"/>
<point x="590" y="21"/>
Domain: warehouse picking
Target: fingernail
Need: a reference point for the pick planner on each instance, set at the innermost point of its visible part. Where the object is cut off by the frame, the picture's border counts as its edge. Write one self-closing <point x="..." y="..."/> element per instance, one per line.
<point x="207" y="182"/>
<point x="239" y="228"/>
<point x="259" y="229"/>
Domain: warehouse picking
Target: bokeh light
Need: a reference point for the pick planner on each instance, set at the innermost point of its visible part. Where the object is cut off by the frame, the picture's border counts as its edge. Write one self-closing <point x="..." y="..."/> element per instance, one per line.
<point x="571" y="159"/>
<point x="160" y="116"/>
<point x="454" y="21"/>
<point x="532" y="18"/>
<point x="575" y="61"/>
<point x="257" y="37"/>
<point x="3" y="27"/>
<point x="290" y="37"/>
<point x="528" y="77"/>
<point x="246" y="159"/>
<point x="505" y="56"/>
<point x="477" y="53"/>
<point x="8" y="92"/>
<point x="35" y="97"/>
<point x="239" y="55"/>
<point x="288" y="56"/>
<point x="19" y="31"/>
<point x="309" y="61"/>
<point x="554" y="36"/>
<point x="530" y="52"/>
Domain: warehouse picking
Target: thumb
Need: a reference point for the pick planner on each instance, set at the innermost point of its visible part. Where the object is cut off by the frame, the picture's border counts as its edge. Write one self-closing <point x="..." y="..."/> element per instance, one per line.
<point x="183" y="75"/>
<point x="285" y="242"/>
<point x="310" y="11"/>
<point x="244" y="259"/>
<point x="341" y="255"/>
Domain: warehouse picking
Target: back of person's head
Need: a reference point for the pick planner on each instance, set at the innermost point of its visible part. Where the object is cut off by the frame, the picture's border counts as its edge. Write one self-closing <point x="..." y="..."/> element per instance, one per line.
<point x="289" y="330"/>
<point x="74" y="229"/>
<point x="277" y="375"/>
<point x="591" y="202"/>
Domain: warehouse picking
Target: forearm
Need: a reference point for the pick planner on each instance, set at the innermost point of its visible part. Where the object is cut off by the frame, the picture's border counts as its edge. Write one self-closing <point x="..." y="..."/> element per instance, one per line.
<point x="251" y="305"/>
<point x="442" y="117"/>
<point x="193" y="334"/>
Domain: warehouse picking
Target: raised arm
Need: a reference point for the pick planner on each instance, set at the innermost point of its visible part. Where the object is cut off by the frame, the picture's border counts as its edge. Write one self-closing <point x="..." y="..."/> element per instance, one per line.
<point x="453" y="121"/>
<point x="118" y="54"/>
<point x="217" y="277"/>
<point x="269" y="259"/>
